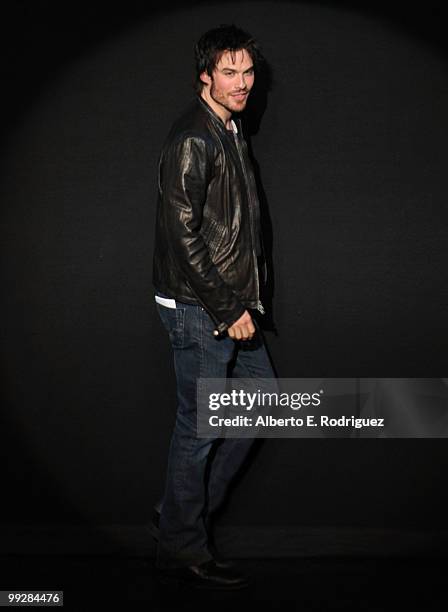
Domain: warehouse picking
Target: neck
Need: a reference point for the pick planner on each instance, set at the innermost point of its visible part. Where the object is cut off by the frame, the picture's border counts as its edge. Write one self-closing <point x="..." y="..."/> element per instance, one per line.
<point x="224" y="114"/>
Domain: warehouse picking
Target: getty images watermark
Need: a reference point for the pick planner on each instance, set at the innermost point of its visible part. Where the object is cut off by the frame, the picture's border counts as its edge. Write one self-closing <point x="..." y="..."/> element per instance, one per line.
<point x="318" y="407"/>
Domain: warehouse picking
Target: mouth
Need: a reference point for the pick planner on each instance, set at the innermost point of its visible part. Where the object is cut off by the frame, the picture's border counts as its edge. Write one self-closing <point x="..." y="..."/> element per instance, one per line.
<point x="240" y="96"/>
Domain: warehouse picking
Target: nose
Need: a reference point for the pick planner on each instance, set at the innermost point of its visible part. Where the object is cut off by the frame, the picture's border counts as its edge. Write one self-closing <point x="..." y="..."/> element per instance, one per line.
<point x="242" y="81"/>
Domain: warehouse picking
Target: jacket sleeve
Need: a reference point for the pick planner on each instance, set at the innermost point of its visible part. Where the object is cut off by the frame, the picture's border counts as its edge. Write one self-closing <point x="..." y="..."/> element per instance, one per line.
<point x="186" y="169"/>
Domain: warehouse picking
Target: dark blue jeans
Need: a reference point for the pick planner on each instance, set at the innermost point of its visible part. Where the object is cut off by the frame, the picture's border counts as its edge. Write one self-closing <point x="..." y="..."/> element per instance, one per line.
<point x="190" y="498"/>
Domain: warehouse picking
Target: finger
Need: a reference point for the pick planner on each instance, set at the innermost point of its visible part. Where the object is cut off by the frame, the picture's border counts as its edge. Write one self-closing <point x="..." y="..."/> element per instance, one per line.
<point x="250" y="336"/>
<point x="246" y="333"/>
<point x="231" y="332"/>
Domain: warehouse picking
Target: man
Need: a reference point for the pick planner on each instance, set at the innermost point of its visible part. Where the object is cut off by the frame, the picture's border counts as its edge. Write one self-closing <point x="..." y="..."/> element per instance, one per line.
<point x="206" y="276"/>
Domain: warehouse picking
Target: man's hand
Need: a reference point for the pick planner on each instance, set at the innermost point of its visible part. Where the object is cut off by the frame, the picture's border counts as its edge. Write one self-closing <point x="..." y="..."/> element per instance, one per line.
<point x="243" y="329"/>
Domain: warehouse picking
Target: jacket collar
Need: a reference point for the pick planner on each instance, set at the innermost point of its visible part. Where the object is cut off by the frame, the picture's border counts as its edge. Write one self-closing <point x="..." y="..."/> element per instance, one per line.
<point x="216" y="117"/>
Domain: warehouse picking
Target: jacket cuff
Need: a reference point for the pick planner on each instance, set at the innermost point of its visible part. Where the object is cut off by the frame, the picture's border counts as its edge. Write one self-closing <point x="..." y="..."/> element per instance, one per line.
<point x="223" y="326"/>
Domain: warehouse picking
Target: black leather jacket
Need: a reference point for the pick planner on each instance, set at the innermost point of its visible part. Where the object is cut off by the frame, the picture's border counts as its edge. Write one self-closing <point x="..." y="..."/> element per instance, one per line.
<point x="207" y="223"/>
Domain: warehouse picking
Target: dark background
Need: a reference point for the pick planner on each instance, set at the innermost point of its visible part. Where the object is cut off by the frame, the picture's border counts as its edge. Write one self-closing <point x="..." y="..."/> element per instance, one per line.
<point x="351" y="151"/>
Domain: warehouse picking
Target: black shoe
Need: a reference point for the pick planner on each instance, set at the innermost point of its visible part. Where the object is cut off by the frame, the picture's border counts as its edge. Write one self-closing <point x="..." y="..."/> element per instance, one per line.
<point x="207" y="575"/>
<point x="154" y="529"/>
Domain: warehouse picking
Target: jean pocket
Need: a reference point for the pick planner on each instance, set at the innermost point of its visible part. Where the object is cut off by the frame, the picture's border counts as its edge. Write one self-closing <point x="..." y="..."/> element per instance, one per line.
<point x="173" y="320"/>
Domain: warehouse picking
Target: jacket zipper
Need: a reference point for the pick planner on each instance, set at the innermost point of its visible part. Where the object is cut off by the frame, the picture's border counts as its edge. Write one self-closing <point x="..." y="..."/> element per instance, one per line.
<point x="218" y="121"/>
<point x="240" y="155"/>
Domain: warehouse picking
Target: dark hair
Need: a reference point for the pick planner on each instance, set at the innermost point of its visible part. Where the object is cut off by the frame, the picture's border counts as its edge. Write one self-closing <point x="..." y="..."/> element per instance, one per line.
<point x="210" y="47"/>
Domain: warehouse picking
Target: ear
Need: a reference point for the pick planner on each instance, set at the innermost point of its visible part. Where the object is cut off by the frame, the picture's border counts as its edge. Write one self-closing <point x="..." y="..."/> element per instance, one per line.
<point x="205" y="78"/>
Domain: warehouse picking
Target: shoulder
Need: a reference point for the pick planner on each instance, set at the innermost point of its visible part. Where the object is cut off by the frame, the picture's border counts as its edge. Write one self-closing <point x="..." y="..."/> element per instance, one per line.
<point x="191" y="130"/>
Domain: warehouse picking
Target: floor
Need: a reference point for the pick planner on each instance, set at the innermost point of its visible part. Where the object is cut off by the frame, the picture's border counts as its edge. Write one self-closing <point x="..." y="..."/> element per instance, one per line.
<point x="310" y="584"/>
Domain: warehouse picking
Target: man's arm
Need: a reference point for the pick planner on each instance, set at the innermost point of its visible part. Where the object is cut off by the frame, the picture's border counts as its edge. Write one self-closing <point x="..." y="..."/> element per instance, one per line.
<point x="186" y="171"/>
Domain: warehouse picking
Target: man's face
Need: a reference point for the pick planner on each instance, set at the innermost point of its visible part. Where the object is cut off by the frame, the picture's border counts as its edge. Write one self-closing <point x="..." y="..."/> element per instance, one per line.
<point x="231" y="81"/>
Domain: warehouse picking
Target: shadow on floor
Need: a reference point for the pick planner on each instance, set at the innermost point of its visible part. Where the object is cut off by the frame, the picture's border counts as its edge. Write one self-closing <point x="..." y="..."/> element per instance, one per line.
<point x="310" y="584"/>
